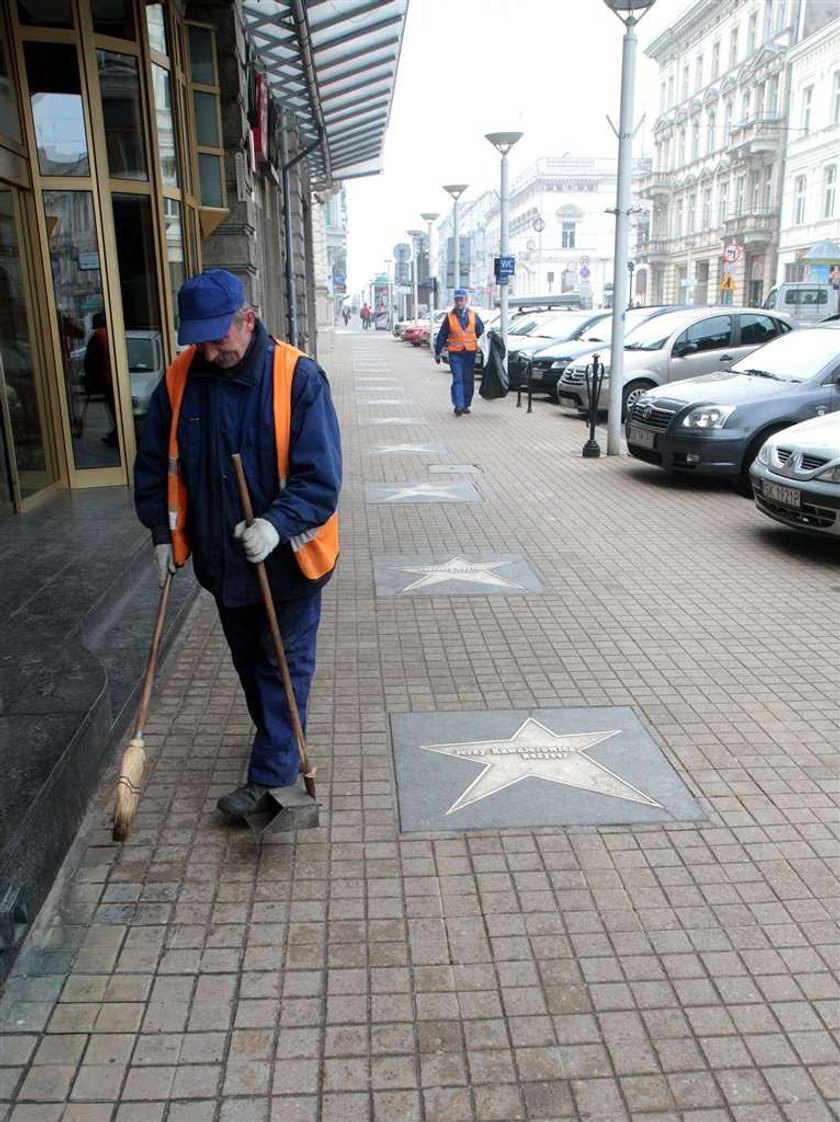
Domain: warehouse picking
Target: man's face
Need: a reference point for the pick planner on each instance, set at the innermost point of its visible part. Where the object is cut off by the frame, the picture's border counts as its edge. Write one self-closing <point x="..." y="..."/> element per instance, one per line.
<point x="229" y="350"/>
<point x="460" y="303"/>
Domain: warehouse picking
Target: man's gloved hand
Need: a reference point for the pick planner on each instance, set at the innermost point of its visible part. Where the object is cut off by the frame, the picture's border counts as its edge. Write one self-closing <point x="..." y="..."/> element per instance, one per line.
<point x="258" y="539"/>
<point x="165" y="562"/>
<point x="437" y="359"/>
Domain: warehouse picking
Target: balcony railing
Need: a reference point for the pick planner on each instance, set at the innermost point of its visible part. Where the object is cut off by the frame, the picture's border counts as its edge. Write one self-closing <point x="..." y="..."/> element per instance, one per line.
<point x="756" y="224"/>
<point x="762" y="132"/>
<point x="658" y="183"/>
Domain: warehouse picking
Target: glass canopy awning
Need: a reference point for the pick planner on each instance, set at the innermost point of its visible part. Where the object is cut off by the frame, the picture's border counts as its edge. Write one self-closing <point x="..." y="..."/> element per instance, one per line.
<point x="333" y="64"/>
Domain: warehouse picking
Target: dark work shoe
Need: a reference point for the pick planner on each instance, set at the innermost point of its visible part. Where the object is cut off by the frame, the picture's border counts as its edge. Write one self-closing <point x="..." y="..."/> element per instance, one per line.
<point x="457" y="411"/>
<point x="465" y="410"/>
<point x="243" y="800"/>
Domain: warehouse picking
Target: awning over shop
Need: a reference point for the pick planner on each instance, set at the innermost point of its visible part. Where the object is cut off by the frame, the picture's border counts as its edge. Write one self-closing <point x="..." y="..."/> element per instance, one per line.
<point x="333" y="64"/>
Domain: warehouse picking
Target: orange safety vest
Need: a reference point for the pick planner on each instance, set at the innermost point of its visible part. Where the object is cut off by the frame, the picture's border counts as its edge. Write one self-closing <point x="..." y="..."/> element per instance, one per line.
<point x="462" y="338"/>
<point x="315" y="550"/>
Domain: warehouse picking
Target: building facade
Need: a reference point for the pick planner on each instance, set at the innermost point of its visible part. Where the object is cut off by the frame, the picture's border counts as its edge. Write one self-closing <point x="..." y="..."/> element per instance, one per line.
<point x="716" y="193"/>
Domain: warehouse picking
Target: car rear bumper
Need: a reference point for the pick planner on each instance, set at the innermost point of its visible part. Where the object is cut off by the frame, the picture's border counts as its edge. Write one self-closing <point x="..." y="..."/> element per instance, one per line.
<point x="802" y="505"/>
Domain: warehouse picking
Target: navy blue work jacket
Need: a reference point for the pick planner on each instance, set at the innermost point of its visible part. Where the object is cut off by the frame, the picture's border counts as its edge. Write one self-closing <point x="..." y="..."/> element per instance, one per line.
<point x="443" y="330"/>
<point x="232" y="411"/>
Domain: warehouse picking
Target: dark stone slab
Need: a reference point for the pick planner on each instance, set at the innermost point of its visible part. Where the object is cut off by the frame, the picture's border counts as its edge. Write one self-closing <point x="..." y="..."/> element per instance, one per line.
<point x="546" y="767"/>
<point x="454" y="574"/>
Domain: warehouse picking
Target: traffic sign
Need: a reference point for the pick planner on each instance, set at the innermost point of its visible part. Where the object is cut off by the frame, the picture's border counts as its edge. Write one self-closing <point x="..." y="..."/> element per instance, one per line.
<point x="728" y="283"/>
<point x="504" y="268"/>
<point x="731" y="253"/>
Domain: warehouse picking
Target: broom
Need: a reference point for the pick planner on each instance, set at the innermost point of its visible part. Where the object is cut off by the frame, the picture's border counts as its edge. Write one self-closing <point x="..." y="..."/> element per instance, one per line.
<point x="133" y="763"/>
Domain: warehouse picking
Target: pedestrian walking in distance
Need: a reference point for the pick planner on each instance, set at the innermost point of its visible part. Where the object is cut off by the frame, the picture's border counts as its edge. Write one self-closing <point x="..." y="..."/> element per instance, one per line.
<point x="238" y="389"/>
<point x="364" y="315"/>
<point x="459" y="333"/>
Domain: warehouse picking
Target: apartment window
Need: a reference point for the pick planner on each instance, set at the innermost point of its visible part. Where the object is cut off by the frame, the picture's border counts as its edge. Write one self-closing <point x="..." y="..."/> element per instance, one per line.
<point x="755" y="190"/>
<point x="706" y="210"/>
<point x="768" y="19"/>
<point x="695" y="139"/>
<point x="715" y="59"/>
<point x="752" y="33"/>
<point x="692" y="214"/>
<point x="698" y="73"/>
<point x="723" y="203"/>
<point x="670" y="91"/>
<point x="733" y="47"/>
<point x="567" y="235"/>
<point x="799" y="185"/>
<point x="678" y="218"/>
<point x="681" y="149"/>
<point x="728" y="108"/>
<point x="768" y="188"/>
<point x="781" y="15"/>
<point x="835" y="99"/>
<point x="740" y="191"/>
<point x="807" y="102"/>
<point x="771" y="101"/>
<point x="746" y="104"/>
<point x="663" y="94"/>
<point x="685" y="82"/>
<point x="711" y="144"/>
<point x="829" y="190"/>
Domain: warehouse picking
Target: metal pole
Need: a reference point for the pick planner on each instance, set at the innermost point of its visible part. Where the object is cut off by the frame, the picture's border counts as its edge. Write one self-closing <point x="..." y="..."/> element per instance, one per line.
<point x="291" y="291"/>
<point x="456" y="246"/>
<point x="429" y="217"/>
<point x="503" y="248"/>
<point x="622" y="220"/>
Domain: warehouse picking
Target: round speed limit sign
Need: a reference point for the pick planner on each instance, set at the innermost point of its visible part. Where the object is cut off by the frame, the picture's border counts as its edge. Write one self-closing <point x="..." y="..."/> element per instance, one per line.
<point x="731" y="254"/>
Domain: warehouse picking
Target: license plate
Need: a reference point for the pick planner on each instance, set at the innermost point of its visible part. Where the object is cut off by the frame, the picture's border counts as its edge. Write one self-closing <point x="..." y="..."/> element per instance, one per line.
<point x="640" y="436"/>
<point x="787" y="496"/>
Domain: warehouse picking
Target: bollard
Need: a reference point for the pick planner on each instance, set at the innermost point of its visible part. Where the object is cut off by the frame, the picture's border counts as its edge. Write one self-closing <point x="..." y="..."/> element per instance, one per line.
<point x="593" y="376"/>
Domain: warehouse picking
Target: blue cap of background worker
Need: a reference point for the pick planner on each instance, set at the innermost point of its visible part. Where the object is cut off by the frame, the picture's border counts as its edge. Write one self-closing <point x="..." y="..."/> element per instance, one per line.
<point x="461" y="292"/>
<point x="207" y="304"/>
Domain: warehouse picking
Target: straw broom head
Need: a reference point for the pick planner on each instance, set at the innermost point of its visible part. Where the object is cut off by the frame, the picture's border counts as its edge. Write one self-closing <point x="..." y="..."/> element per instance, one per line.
<point x="132" y="768"/>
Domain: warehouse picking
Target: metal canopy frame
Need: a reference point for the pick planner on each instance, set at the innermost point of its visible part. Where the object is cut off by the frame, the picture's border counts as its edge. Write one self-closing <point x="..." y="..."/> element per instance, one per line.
<point x="333" y="67"/>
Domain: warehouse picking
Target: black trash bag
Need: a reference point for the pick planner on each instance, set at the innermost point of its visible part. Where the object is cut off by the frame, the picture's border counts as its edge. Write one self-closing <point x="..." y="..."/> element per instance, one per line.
<point x="494" y="381"/>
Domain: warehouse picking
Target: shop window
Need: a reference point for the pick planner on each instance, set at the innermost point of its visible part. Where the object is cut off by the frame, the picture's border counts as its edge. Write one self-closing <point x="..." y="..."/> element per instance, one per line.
<point x="45" y="13"/>
<point x="52" y="71"/>
<point x="206" y="119"/>
<point x="113" y="17"/>
<point x="175" y="249"/>
<point x="165" y="122"/>
<point x="205" y="96"/>
<point x="123" y="115"/>
<point x="156" y="29"/>
<point x="202" y="56"/>
<point x="9" y="116"/>
<point x="83" y="330"/>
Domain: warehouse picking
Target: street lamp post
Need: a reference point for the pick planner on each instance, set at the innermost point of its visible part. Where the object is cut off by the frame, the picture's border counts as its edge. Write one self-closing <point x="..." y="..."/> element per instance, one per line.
<point x="624" y="173"/>
<point x="456" y="190"/>
<point x="503" y="142"/>
<point x="389" y="319"/>
<point x="414" y="235"/>
<point x="429" y="217"/>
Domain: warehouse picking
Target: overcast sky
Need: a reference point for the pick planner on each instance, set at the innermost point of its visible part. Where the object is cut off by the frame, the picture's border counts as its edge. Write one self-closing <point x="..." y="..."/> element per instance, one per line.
<point x="548" y="68"/>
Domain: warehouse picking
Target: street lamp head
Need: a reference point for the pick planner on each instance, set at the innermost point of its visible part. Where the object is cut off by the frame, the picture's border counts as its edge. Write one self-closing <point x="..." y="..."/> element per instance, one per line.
<point x="630" y="7"/>
<point x="503" y="141"/>
<point x="456" y="190"/>
<point x="415" y="233"/>
<point x="428" y="216"/>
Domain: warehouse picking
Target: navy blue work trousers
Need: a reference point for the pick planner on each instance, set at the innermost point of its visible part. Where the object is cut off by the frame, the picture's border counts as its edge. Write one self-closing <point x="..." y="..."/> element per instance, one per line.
<point x="275" y="761"/>
<point x="462" y="368"/>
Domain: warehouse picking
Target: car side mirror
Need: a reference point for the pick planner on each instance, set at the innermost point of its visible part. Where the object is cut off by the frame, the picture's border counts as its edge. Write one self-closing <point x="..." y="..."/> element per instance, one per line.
<point x="683" y="349"/>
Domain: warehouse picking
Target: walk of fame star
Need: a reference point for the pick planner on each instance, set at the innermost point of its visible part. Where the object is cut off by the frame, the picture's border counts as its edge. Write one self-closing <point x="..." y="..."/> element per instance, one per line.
<point x="393" y="449"/>
<point x="536" y="752"/>
<point x="419" y="490"/>
<point x="458" y="568"/>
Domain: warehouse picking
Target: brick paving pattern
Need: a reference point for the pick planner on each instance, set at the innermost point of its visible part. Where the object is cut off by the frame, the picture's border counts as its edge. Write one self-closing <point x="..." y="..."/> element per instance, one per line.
<point x="682" y="972"/>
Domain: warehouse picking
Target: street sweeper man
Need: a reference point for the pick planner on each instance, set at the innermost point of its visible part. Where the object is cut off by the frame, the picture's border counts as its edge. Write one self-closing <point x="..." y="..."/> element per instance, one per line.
<point x="237" y="389"/>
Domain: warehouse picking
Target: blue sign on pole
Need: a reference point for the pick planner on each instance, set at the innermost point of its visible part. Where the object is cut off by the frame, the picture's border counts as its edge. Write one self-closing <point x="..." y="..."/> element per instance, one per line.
<point x="504" y="268"/>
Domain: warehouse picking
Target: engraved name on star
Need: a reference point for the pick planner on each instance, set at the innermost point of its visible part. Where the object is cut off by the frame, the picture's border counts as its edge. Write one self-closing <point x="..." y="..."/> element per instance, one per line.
<point x="458" y="568"/>
<point x="536" y="752"/>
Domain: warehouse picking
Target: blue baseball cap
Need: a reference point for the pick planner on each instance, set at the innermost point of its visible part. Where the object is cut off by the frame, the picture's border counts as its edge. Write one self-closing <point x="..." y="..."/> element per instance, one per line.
<point x="207" y="304"/>
<point x="461" y="292"/>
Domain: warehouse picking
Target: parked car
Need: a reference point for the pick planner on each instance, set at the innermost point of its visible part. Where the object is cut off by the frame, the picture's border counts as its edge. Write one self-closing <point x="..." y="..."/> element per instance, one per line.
<point x="796" y="476"/>
<point x="146" y="367"/>
<point x="548" y="362"/>
<point x="714" y="425"/>
<point x="670" y="348"/>
<point x="804" y="301"/>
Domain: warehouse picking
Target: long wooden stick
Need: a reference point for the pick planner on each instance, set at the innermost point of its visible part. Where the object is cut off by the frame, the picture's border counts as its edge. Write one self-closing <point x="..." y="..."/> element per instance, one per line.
<point x="274" y="628"/>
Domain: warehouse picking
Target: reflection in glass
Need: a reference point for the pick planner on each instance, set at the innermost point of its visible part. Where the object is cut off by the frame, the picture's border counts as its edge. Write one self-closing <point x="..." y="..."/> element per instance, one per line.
<point x="52" y="71"/>
<point x="156" y="28"/>
<point x="25" y="441"/>
<point x="9" y="117"/>
<point x="121" y="108"/>
<point x="113" y="17"/>
<point x="45" y="13"/>
<point x="165" y="120"/>
<point x="201" y="56"/>
<point x="135" y="242"/>
<point x="83" y="331"/>
<point x="206" y="122"/>
<point x="174" y="250"/>
<point x="210" y="178"/>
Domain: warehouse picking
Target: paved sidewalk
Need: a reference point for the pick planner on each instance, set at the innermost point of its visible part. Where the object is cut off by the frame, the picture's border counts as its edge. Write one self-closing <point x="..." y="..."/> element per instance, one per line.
<point x="669" y="970"/>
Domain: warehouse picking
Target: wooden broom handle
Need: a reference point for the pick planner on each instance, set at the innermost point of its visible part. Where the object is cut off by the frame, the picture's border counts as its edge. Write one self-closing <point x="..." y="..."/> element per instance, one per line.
<point x="151" y="664"/>
<point x="273" y="626"/>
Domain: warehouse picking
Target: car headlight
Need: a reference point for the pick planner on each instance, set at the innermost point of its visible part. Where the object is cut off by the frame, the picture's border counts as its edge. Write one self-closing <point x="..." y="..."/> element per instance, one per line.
<point x="560" y="364"/>
<point x="763" y="456"/>
<point x="830" y="475"/>
<point x="708" y="417"/>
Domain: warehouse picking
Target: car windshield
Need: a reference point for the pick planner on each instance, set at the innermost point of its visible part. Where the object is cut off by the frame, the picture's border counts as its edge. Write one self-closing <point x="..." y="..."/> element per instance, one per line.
<point x="527" y="325"/>
<point x="141" y="354"/>
<point x="653" y="334"/>
<point x="563" y="326"/>
<point x="794" y="357"/>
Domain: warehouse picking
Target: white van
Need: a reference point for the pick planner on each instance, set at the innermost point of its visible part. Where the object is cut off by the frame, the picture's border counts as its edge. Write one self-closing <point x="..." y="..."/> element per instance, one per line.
<point x="804" y="301"/>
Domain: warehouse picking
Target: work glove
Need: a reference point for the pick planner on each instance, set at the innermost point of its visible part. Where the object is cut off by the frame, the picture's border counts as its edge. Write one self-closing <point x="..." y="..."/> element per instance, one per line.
<point x="258" y="539"/>
<point x="165" y="562"/>
<point x="437" y="359"/>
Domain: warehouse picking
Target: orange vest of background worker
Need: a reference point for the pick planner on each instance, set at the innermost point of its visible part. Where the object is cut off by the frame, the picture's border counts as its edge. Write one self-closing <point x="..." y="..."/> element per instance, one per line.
<point x="459" y="334"/>
<point x="462" y="338"/>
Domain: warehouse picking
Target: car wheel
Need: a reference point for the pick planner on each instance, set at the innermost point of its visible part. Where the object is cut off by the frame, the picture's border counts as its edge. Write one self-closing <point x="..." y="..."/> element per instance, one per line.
<point x="632" y="392"/>
<point x="743" y="485"/>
